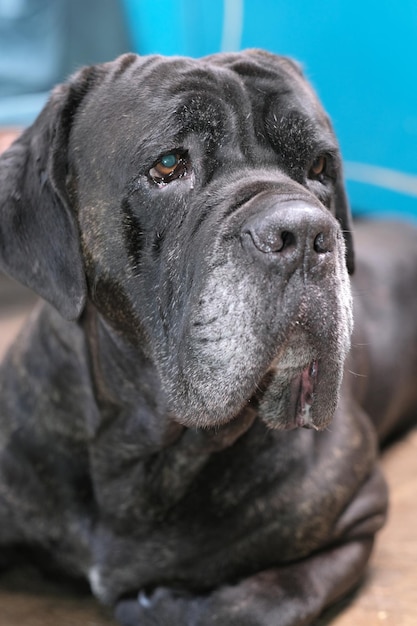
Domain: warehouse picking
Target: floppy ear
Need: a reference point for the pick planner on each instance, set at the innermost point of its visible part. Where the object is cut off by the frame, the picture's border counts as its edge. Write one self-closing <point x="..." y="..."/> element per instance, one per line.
<point x="39" y="239"/>
<point x="344" y="217"/>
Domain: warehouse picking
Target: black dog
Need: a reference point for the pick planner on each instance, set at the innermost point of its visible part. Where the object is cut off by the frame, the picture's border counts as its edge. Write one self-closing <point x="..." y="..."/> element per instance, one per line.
<point x="188" y="224"/>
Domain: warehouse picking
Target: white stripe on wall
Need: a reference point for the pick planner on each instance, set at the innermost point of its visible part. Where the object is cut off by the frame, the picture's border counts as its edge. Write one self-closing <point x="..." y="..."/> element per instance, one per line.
<point x="381" y="177"/>
<point x="232" y="25"/>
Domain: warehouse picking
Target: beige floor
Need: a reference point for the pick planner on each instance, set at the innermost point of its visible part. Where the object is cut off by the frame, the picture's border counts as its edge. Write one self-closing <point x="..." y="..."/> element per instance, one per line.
<point x="388" y="596"/>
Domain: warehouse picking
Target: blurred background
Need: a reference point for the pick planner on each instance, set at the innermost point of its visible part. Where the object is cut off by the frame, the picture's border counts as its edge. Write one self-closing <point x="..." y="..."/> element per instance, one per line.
<point x="361" y="56"/>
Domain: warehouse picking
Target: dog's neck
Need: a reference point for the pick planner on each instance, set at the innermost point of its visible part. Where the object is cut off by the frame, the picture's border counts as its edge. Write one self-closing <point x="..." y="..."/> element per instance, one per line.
<point x="127" y="388"/>
<point x="135" y="435"/>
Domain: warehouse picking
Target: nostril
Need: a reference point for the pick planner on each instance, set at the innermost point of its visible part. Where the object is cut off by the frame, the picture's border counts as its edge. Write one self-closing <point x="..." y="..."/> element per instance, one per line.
<point x="273" y="240"/>
<point x="322" y="244"/>
<point x="288" y="240"/>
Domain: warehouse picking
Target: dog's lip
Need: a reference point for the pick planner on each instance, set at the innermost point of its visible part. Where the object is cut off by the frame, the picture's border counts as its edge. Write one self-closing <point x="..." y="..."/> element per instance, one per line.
<point x="302" y="391"/>
<point x="288" y="395"/>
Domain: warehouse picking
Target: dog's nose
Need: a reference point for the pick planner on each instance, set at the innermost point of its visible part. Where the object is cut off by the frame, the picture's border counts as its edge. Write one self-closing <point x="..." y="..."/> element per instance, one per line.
<point x="290" y="233"/>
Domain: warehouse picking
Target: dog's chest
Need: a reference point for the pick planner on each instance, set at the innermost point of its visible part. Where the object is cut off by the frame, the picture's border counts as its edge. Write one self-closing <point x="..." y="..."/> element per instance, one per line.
<point x="238" y="514"/>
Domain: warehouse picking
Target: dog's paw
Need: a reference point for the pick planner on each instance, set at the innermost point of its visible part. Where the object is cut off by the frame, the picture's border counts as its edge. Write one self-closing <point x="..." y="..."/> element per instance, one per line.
<point x="130" y="613"/>
<point x="163" y="606"/>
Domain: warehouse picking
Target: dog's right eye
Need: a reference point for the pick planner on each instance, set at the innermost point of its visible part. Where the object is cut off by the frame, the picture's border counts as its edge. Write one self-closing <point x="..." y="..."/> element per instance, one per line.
<point x="169" y="167"/>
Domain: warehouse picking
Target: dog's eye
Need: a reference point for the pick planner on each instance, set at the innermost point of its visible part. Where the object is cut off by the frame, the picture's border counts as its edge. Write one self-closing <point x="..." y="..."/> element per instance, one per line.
<point x="169" y="167"/>
<point x="318" y="167"/>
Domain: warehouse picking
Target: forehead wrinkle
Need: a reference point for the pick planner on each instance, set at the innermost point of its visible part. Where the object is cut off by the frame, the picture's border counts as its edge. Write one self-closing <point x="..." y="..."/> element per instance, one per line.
<point x="211" y="100"/>
<point x="296" y="114"/>
<point x="212" y="83"/>
<point x="215" y="120"/>
<point x="156" y="137"/>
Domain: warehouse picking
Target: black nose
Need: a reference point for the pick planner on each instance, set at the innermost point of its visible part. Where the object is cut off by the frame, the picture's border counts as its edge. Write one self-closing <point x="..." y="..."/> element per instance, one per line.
<point x="290" y="232"/>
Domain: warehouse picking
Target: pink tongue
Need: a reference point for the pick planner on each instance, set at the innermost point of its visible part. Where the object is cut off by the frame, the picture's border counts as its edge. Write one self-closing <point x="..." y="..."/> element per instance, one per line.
<point x="308" y="379"/>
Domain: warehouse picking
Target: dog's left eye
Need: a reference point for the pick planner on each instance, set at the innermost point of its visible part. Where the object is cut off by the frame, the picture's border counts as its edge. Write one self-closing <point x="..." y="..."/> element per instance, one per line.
<point x="318" y="168"/>
<point x="169" y="167"/>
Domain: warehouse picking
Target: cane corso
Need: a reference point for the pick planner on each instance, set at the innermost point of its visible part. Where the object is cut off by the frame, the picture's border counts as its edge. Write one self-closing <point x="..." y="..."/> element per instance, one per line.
<point x="175" y="423"/>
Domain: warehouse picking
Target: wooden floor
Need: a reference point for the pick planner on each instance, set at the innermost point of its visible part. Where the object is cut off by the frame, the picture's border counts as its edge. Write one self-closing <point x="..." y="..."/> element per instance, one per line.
<point x="388" y="596"/>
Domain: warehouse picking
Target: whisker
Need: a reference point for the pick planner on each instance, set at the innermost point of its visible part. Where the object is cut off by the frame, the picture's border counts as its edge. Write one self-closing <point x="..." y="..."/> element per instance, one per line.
<point x="357" y="374"/>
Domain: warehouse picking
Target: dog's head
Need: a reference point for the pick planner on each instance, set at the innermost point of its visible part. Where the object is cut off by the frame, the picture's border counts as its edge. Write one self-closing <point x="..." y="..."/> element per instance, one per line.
<point x="199" y="205"/>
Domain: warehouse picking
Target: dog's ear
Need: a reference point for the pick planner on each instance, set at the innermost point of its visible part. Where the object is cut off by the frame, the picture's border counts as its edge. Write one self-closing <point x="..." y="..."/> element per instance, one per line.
<point x="39" y="238"/>
<point x="344" y="217"/>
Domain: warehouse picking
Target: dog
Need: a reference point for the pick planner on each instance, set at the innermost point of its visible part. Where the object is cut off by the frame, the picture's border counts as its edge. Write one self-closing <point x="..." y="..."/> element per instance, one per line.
<point x="191" y="419"/>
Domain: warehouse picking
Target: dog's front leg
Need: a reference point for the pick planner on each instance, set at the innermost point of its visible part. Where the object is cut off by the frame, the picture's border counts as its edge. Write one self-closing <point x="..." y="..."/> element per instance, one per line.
<point x="289" y="595"/>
